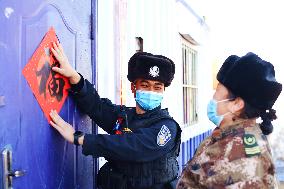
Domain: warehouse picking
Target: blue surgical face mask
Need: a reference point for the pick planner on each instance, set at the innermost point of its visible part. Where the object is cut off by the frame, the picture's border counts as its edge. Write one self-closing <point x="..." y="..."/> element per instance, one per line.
<point x="212" y="112"/>
<point x="148" y="100"/>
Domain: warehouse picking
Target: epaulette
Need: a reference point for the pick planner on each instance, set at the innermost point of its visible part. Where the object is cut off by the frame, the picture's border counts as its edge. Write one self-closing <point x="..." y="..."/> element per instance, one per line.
<point x="250" y="145"/>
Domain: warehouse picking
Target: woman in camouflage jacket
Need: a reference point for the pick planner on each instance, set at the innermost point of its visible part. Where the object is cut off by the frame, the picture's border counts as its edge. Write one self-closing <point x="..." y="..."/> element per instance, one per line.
<point x="237" y="154"/>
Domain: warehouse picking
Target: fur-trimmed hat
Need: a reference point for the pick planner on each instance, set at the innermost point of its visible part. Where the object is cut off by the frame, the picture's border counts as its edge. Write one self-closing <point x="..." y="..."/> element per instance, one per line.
<point x="153" y="67"/>
<point x="252" y="79"/>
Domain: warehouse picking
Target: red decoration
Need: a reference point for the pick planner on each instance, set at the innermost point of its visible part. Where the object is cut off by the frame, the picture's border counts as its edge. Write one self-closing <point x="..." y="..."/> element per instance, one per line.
<point x="49" y="87"/>
<point x="118" y="132"/>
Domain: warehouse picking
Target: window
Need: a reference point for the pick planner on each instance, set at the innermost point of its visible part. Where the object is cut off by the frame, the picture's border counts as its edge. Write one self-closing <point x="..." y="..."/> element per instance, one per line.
<point x="190" y="89"/>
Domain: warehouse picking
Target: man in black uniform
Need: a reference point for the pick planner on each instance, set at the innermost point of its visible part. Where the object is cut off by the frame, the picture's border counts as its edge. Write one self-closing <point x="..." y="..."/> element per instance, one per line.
<point x="143" y="142"/>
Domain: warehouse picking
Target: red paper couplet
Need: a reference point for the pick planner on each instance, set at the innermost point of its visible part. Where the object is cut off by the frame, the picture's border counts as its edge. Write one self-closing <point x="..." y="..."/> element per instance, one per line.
<point x="49" y="87"/>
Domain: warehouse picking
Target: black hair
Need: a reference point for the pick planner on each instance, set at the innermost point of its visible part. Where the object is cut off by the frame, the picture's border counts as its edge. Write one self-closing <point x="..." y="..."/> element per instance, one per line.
<point x="251" y="112"/>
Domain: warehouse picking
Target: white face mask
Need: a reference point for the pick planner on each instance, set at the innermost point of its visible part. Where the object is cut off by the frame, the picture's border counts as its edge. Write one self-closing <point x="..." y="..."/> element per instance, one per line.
<point x="212" y="112"/>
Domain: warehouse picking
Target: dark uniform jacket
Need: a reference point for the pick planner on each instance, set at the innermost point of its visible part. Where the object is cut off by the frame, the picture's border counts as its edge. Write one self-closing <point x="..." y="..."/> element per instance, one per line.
<point x="143" y="158"/>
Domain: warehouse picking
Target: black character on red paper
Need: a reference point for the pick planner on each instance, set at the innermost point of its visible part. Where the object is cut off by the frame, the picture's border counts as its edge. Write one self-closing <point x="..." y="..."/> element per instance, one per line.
<point x="44" y="73"/>
<point x="55" y="84"/>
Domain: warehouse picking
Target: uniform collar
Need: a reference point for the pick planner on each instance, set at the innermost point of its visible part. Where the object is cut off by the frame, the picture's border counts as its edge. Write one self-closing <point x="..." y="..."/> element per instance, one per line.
<point x="148" y="114"/>
<point x="234" y="129"/>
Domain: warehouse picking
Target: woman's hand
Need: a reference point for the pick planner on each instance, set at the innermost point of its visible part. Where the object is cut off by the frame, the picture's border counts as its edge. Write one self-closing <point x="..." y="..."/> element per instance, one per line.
<point x="64" y="128"/>
<point x="65" y="67"/>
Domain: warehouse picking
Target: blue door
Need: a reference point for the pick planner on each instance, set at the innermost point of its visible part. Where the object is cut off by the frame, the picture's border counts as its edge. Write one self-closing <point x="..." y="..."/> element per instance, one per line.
<point x="39" y="154"/>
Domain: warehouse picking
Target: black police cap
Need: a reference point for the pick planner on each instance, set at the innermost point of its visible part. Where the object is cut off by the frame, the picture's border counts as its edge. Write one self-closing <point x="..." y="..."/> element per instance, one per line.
<point x="153" y="67"/>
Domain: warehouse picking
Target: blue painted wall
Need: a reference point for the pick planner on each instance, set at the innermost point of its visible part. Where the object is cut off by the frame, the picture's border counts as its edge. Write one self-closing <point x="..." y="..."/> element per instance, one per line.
<point x="187" y="148"/>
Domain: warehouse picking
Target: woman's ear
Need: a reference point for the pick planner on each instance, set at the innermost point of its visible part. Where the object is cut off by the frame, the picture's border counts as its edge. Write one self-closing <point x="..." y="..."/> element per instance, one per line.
<point x="238" y="105"/>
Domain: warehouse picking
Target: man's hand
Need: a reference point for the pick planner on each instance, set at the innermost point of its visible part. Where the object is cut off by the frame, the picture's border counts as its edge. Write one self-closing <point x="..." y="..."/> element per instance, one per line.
<point x="65" y="67"/>
<point x="64" y="128"/>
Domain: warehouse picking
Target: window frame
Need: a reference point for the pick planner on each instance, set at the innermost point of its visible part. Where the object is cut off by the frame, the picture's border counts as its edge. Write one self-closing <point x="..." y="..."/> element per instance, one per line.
<point x="189" y="82"/>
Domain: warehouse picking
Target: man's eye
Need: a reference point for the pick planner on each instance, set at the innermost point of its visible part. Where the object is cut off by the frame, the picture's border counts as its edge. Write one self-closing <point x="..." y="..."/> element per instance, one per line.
<point x="158" y="87"/>
<point x="144" y="86"/>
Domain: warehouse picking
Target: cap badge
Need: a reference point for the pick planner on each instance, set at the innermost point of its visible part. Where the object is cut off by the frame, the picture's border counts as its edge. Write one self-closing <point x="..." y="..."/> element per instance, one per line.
<point x="154" y="71"/>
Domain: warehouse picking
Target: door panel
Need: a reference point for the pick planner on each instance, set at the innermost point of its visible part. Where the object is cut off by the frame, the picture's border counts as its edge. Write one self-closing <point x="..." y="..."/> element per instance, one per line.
<point x="49" y="161"/>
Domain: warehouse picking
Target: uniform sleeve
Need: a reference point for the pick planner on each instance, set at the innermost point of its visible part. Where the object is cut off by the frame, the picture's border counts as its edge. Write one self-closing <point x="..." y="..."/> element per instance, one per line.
<point x="145" y="144"/>
<point x="101" y="110"/>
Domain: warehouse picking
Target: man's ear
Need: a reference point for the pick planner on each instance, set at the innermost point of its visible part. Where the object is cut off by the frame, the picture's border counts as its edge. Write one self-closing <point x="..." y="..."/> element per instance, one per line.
<point x="238" y="105"/>
<point x="133" y="88"/>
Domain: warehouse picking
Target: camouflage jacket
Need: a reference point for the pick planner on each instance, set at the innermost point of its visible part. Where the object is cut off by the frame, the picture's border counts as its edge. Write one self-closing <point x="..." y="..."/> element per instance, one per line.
<point x="238" y="157"/>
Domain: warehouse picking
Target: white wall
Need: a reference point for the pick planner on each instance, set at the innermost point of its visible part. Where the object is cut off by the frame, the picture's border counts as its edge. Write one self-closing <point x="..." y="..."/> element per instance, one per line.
<point x="106" y="64"/>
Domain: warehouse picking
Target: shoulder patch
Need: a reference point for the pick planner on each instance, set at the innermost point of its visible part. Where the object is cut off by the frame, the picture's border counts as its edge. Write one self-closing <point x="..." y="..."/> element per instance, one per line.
<point x="164" y="136"/>
<point x="250" y="145"/>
